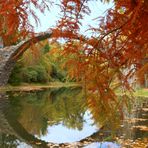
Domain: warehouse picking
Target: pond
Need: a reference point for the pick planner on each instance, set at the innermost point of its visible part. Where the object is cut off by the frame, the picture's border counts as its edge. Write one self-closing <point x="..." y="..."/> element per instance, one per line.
<point x="61" y="118"/>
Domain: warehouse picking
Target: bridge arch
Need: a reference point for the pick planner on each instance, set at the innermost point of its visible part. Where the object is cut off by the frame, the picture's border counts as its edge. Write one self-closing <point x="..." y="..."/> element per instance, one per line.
<point x="10" y="54"/>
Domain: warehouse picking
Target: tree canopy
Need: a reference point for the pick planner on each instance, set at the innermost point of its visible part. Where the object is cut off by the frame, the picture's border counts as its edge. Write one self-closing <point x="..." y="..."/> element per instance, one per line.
<point x="107" y="59"/>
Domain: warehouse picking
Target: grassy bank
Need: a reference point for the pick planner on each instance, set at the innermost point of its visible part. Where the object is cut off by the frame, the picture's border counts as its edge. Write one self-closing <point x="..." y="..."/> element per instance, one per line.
<point x="31" y="87"/>
<point x="141" y="92"/>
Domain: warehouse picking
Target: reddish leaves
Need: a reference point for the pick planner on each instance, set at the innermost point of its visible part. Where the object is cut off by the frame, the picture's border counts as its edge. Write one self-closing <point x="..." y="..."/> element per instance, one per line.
<point x="14" y="18"/>
<point x="110" y="57"/>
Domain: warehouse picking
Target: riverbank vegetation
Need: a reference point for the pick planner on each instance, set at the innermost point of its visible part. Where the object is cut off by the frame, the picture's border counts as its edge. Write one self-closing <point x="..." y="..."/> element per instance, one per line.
<point x="41" y="64"/>
<point x="44" y="66"/>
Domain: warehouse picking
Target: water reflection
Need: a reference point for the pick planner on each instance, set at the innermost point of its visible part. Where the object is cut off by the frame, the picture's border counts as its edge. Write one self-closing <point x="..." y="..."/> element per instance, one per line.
<point x="57" y="116"/>
<point x="103" y="145"/>
<point x="42" y="109"/>
<point x="9" y="141"/>
<point x="135" y="125"/>
<point x="12" y="133"/>
<point x="34" y="115"/>
<point x="61" y="134"/>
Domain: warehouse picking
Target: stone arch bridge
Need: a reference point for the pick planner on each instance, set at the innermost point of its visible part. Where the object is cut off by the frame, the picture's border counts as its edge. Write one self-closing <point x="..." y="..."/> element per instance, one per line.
<point x="8" y="57"/>
<point x="10" y="54"/>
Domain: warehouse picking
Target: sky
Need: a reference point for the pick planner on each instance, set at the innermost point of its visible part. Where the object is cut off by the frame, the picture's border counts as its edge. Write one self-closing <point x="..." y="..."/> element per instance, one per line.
<point x="61" y="134"/>
<point x="49" y="19"/>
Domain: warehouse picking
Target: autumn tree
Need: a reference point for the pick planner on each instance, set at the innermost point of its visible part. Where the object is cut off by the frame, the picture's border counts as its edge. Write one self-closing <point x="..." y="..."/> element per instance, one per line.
<point x="14" y="18"/>
<point x="106" y="60"/>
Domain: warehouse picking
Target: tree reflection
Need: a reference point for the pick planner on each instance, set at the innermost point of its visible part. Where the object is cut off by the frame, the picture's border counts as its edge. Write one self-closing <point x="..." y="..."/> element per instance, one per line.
<point x="40" y="109"/>
<point x="106" y="113"/>
<point x="8" y="141"/>
<point x="26" y="114"/>
<point x="37" y="110"/>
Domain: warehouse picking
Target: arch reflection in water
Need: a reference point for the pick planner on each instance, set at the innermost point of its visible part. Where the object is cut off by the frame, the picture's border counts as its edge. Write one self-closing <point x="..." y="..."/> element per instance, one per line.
<point x="28" y="115"/>
<point x="12" y="133"/>
<point x="62" y="110"/>
<point x="34" y="117"/>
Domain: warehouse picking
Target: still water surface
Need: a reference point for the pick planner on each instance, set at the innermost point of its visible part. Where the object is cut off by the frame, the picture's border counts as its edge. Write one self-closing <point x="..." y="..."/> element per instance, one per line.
<point x="61" y="118"/>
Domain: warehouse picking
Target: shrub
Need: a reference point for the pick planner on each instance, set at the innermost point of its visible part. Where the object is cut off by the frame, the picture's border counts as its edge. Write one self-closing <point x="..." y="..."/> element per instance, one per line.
<point x="29" y="75"/>
<point x="15" y="77"/>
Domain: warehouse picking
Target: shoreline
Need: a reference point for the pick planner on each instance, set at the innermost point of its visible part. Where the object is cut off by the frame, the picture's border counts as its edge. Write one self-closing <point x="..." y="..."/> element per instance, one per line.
<point x="35" y="87"/>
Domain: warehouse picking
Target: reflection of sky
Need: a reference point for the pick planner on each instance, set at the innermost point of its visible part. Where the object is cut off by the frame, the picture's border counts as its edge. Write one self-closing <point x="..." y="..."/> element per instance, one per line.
<point x="61" y="134"/>
<point x="23" y="145"/>
<point x="103" y="145"/>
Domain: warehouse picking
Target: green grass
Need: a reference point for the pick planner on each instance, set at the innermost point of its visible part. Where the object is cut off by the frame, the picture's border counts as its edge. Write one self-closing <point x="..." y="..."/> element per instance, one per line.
<point x="141" y="92"/>
<point x="29" y="87"/>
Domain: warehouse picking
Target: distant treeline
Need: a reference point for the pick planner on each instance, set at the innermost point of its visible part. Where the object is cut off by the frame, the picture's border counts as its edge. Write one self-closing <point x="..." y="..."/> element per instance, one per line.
<point x="40" y="64"/>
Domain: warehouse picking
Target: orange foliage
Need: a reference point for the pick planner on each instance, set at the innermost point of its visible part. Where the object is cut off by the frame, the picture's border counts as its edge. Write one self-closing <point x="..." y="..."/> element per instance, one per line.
<point x="111" y="58"/>
<point x="14" y="18"/>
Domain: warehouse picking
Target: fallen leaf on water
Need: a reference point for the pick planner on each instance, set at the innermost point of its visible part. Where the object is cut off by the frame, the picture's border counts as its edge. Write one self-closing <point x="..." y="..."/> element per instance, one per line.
<point x="138" y="143"/>
<point x="145" y="109"/>
<point x="143" y="128"/>
<point x="133" y="120"/>
<point x="38" y="143"/>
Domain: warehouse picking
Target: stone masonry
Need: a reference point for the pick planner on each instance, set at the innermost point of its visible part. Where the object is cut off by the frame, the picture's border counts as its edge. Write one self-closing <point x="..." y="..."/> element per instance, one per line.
<point x="10" y="54"/>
